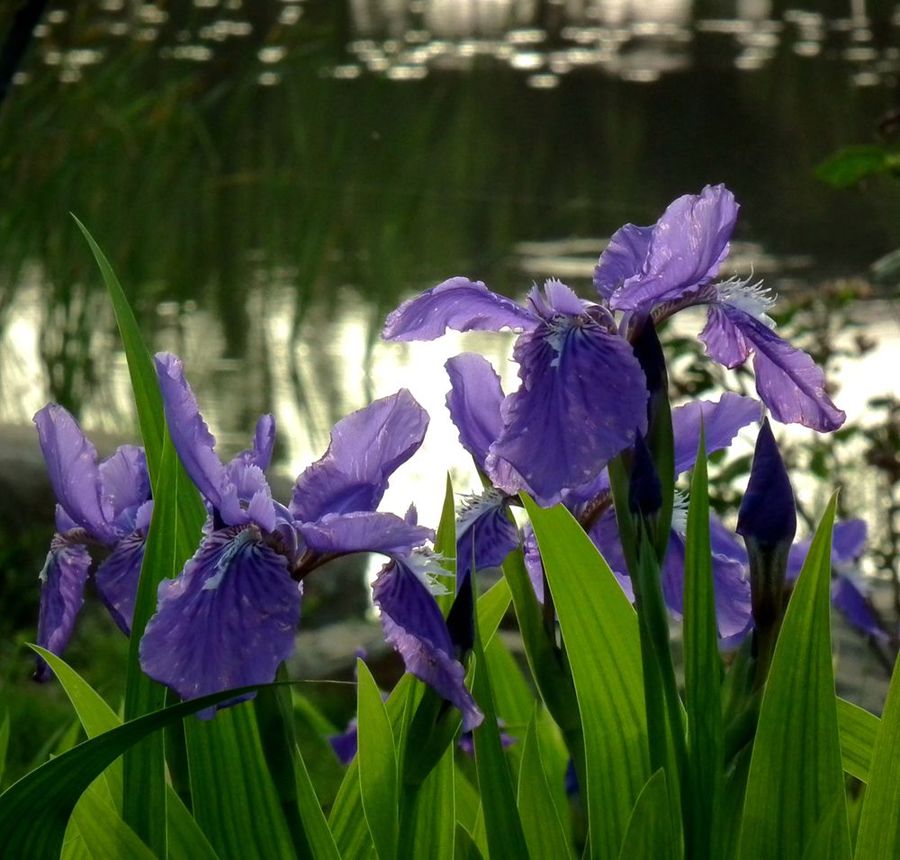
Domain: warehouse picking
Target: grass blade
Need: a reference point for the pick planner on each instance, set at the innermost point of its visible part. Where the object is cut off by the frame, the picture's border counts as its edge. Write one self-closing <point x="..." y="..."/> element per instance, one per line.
<point x="795" y="768"/>
<point x="858" y="729"/>
<point x="649" y="832"/>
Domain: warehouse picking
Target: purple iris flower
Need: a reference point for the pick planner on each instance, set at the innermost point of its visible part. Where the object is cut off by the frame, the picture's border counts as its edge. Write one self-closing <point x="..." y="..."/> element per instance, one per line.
<point x="848" y="542"/>
<point x="103" y="508"/>
<point x="229" y="619"/>
<point x="575" y="370"/>
<point x="658" y="270"/>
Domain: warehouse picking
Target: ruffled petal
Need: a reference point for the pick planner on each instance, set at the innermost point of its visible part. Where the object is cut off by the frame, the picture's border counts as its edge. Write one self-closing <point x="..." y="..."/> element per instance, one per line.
<point x="364" y="531"/>
<point x="556" y="299"/>
<point x="582" y="398"/>
<point x="117" y="579"/>
<point x="74" y="474"/>
<point x="62" y="594"/>
<point x="685" y="251"/>
<point x="458" y="304"/>
<point x="623" y="258"/>
<point x="485" y="535"/>
<point x="474" y="403"/>
<point x="193" y="441"/>
<point x="721" y="422"/>
<point x="125" y="484"/>
<point x="849" y="599"/>
<point x="228" y="620"/>
<point x="366" y="447"/>
<point x="414" y="627"/>
<point x="724" y="341"/>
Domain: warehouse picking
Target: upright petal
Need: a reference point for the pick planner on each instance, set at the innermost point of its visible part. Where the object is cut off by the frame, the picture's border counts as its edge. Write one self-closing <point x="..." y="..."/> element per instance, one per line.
<point x="193" y="441"/>
<point x="228" y="620"/>
<point x="364" y="531"/>
<point x="72" y="465"/>
<point x="414" y="627"/>
<point x="458" y="304"/>
<point x="721" y="422"/>
<point x="685" y="251"/>
<point x="117" y="579"/>
<point x="474" y="403"/>
<point x="62" y="594"/>
<point x="623" y="258"/>
<point x="582" y="398"/>
<point x="366" y="447"/>
<point x="125" y="484"/>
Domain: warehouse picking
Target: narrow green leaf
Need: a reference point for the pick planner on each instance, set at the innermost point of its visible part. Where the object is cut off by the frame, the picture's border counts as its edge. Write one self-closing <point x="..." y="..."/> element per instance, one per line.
<point x="445" y="541"/>
<point x="858" y="729"/>
<point x="4" y="743"/>
<point x="104" y="833"/>
<point x="513" y="696"/>
<point x="795" y="768"/>
<point x="600" y="631"/>
<point x="879" y="825"/>
<point x="433" y="814"/>
<point x="34" y="811"/>
<point x="649" y="832"/>
<point x="543" y="828"/>
<point x="826" y="840"/>
<point x="505" y="836"/>
<point x="186" y="840"/>
<point x="492" y="606"/>
<point x="377" y="764"/>
<point x="702" y="674"/>
<point x="314" y="823"/>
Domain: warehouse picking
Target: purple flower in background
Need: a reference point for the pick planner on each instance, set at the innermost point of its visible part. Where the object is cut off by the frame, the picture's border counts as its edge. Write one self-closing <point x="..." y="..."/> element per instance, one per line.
<point x="658" y="270"/>
<point x="102" y="507"/>
<point x="575" y="370"/>
<point x="229" y="619"/>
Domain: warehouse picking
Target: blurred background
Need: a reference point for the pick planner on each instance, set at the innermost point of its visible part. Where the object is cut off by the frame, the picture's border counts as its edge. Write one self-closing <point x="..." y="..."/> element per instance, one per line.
<point x="269" y="178"/>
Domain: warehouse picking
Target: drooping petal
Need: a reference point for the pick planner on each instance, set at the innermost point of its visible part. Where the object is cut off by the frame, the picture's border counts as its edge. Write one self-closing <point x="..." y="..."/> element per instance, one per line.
<point x="789" y="382"/>
<point x="193" y="441"/>
<point x="685" y="251"/>
<point x="415" y="628"/>
<point x="117" y="579"/>
<point x="533" y="562"/>
<point x="458" y="304"/>
<point x="364" y="531"/>
<point x="485" y="535"/>
<point x="623" y="258"/>
<point x="228" y="620"/>
<point x="724" y="341"/>
<point x="582" y="398"/>
<point x="62" y="594"/>
<point x="605" y="535"/>
<point x="853" y="604"/>
<point x="474" y="403"/>
<point x="125" y="484"/>
<point x="366" y="447"/>
<point x="721" y="422"/>
<point x="74" y="474"/>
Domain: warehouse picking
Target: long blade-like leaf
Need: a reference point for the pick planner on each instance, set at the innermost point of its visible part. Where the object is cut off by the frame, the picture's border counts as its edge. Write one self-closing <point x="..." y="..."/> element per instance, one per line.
<point x="879" y="825"/>
<point x="796" y="775"/>
<point x="858" y="730"/>
<point x="649" y="832"/>
<point x="600" y="632"/>
<point x="702" y="673"/>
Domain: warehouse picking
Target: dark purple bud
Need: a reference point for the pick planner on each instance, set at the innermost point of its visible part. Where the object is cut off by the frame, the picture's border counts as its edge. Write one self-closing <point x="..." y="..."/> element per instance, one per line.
<point x="767" y="515"/>
<point x="644" y="489"/>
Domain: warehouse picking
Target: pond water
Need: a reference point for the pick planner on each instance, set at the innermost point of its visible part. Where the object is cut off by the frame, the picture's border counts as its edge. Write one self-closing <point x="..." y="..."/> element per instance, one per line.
<point x="270" y="178"/>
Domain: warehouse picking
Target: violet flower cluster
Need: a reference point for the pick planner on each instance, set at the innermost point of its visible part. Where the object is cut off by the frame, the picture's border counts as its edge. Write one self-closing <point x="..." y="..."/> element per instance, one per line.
<point x="229" y="619"/>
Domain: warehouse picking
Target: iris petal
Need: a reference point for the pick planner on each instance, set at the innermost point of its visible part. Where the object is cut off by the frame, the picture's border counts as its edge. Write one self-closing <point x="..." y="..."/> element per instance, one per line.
<point x="623" y="258"/>
<point x="474" y="403"/>
<point x="125" y="484"/>
<point x="228" y="620"/>
<point x="62" y="594"/>
<point x="856" y="608"/>
<point x="366" y="447"/>
<point x="117" y="579"/>
<point x="485" y="535"/>
<point x="582" y="397"/>
<point x="458" y="304"/>
<point x="74" y="473"/>
<point x="685" y="251"/>
<point x="415" y="628"/>
<point x="364" y="531"/>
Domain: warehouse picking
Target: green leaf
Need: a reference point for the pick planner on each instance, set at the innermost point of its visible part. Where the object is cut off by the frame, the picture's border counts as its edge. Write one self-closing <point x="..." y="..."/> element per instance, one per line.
<point x="314" y="823"/>
<point x="543" y="828"/>
<point x="852" y="164"/>
<point x="377" y="756"/>
<point x="432" y="831"/>
<point x="600" y="631"/>
<point x="879" y="824"/>
<point x="34" y="811"/>
<point x="445" y="541"/>
<point x="795" y="768"/>
<point x="492" y="606"/>
<point x="4" y="743"/>
<point x="104" y="833"/>
<point x="505" y="836"/>
<point x="858" y="729"/>
<point x="649" y="832"/>
<point x="702" y="674"/>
